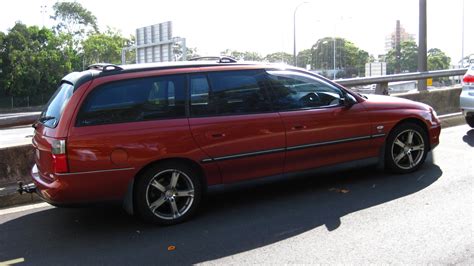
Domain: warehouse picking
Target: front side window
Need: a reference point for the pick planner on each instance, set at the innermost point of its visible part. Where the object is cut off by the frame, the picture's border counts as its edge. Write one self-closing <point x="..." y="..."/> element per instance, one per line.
<point x="134" y="100"/>
<point x="292" y="90"/>
<point x="228" y="93"/>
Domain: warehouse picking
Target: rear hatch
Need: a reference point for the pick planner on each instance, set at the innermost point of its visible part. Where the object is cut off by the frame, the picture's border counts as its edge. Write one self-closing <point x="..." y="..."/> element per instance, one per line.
<point x="48" y="141"/>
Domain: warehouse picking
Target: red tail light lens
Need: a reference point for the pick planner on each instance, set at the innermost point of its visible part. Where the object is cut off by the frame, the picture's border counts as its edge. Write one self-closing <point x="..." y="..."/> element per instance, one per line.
<point x="58" y="152"/>
<point x="60" y="163"/>
<point x="468" y="80"/>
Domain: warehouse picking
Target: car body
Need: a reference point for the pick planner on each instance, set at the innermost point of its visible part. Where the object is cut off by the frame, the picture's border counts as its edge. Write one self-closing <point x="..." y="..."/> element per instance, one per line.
<point x="466" y="100"/>
<point x="155" y="136"/>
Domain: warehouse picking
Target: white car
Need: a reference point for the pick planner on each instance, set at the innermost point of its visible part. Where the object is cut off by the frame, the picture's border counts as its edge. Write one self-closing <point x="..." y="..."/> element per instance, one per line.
<point x="466" y="100"/>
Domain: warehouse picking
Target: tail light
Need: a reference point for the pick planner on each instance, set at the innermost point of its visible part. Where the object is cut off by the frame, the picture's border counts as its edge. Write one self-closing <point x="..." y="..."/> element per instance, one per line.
<point x="58" y="151"/>
<point x="468" y="80"/>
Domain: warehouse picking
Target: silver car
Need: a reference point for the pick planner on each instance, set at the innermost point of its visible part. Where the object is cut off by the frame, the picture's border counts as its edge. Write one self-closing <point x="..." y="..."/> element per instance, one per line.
<point x="467" y="96"/>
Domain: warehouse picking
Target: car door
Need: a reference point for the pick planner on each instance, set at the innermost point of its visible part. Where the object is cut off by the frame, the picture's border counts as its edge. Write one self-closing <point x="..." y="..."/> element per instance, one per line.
<point x="320" y="129"/>
<point x="232" y="121"/>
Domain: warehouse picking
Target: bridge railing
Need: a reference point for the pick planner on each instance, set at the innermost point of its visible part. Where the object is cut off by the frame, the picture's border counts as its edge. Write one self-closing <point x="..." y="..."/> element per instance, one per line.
<point x="382" y="81"/>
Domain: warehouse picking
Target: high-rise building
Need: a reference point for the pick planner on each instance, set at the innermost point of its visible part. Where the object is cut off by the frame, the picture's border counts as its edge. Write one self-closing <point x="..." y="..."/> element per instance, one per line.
<point x="397" y="36"/>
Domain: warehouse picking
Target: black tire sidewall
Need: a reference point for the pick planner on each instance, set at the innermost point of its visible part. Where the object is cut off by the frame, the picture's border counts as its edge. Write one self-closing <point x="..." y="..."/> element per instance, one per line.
<point x="470" y="120"/>
<point x="140" y="186"/>
<point x="389" y="163"/>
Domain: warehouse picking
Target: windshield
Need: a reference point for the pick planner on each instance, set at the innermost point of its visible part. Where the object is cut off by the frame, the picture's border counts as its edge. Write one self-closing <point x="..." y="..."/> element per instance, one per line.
<point x="55" y="107"/>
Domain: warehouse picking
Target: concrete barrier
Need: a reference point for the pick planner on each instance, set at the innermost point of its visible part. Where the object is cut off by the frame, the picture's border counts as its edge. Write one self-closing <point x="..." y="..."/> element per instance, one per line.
<point x="16" y="163"/>
<point x="444" y="101"/>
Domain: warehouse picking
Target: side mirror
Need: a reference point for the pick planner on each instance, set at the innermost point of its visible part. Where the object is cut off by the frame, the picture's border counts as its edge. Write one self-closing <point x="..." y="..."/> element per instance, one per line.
<point x="348" y="101"/>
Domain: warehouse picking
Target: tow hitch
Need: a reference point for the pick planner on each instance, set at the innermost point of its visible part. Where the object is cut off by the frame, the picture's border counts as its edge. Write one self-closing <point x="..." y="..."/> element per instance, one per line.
<point x="28" y="188"/>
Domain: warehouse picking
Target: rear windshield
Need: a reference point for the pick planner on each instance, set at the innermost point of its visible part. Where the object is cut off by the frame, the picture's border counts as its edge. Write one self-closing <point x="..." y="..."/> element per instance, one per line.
<point x="55" y="107"/>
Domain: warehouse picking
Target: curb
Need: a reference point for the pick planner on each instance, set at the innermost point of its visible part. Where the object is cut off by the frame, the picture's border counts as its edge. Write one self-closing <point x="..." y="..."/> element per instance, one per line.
<point x="9" y="197"/>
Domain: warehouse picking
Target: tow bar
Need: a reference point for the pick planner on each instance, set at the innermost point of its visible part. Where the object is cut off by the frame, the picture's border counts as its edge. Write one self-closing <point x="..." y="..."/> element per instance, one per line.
<point x="28" y="188"/>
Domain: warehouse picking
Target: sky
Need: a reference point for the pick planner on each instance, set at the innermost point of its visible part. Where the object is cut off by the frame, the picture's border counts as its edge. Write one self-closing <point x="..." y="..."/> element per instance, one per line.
<point x="267" y="26"/>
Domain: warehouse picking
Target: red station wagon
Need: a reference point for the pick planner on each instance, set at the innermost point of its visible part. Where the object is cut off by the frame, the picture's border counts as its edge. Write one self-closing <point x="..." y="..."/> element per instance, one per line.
<point x="155" y="136"/>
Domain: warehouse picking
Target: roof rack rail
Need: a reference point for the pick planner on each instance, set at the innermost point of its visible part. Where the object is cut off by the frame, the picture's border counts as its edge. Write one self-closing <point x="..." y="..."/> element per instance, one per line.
<point x="104" y="67"/>
<point x="219" y="59"/>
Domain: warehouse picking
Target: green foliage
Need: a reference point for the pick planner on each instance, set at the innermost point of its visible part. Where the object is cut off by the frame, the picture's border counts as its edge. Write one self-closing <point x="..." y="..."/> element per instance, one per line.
<point x="73" y="18"/>
<point x="247" y="56"/>
<point x="350" y="60"/>
<point x="33" y="61"/>
<point x="280" y="57"/>
<point x="304" y="58"/>
<point x="437" y="59"/>
<point x="408" y="58"/>
<point x="104" y="47"/>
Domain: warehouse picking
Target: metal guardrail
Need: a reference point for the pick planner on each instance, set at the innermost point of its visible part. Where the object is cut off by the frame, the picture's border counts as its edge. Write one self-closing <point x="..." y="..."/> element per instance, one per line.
<point x="382" y="81"/>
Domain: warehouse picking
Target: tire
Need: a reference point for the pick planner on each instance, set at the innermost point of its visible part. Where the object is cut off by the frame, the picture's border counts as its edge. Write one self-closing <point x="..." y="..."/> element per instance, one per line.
<point x="402" y="155"/>
<point x="168" y="193"/>
<point x="470" y="120"/>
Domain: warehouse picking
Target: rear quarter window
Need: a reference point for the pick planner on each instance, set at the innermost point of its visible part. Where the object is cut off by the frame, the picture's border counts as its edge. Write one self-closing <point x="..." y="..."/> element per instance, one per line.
<point x="55" y="107"/>
<point x="134" y="100"/>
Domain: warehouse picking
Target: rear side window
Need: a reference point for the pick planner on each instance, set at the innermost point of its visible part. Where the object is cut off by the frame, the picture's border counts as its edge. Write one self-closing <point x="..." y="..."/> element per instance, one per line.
<point x="134" y="100"/>
<point x="228" y="93"/>
<point x="55" y="107"/>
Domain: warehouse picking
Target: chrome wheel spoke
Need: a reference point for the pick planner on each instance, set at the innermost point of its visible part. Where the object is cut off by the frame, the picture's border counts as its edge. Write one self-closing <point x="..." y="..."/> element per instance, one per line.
<point x="174" y="179"/>
<point x="418" y="148"/>
<point x="185" y="193"/>
<point x="174" y="208"/>
<point x="399" y="157"/>
<point x="158" y="186"/>
<point x="410" y="158"/>
<point x="156" y="204"/>
<point x="400" y="143"/>
<point x="410" y="137"/>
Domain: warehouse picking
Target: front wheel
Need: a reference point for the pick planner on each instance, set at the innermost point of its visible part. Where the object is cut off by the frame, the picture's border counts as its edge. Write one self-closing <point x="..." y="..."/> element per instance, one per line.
<point x="406" y="148"/>
<point x="168" y="193"/>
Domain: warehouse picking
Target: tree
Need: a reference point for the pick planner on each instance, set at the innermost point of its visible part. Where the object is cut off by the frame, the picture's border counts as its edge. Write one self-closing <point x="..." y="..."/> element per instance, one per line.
<point x="437" y="59"/>
<point x="350" y="60"/>
<point x="279" y="57"/>
<point x="304" y="58"/>
<point x="247" y="56"/>
<point x="33" y="61"/>
<point x="408" y="58"/>
<point x="74" y="19"/>
<point x="104" y="47"/>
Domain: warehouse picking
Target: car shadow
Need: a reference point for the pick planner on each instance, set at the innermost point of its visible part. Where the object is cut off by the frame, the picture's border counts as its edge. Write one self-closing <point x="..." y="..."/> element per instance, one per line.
<point x="469" y="138"/>
<point x="233" y="220"/>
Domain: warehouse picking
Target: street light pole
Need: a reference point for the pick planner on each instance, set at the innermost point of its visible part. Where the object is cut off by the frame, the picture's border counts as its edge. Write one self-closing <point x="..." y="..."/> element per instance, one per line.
<point x="294" y="32"/>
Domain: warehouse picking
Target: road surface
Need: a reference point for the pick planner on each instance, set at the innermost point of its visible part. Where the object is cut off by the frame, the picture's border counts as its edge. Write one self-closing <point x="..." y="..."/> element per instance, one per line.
<point x="360" y="216"/>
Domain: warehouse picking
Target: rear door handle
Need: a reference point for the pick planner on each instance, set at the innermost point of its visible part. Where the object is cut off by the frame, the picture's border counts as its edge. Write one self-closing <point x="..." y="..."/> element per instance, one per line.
<point x="298" y="127"/>
<point x="215" y="135"/>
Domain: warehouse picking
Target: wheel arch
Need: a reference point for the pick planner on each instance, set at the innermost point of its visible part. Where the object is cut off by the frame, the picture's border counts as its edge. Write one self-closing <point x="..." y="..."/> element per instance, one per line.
<point x="128" y="203"/>
<point x="416" y="121"/>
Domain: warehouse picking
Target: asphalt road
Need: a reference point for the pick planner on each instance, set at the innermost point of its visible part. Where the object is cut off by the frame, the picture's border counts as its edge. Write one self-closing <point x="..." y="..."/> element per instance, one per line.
<point x="421" y="218"/>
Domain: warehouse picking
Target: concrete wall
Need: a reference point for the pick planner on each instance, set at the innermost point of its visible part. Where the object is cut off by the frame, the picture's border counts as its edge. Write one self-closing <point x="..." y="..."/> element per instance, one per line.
<point x="15" y="164"/>
<point x="444" y="101"/>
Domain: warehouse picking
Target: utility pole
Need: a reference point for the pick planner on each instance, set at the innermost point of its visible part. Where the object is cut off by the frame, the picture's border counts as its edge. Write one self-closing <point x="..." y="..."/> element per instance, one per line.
<point x="462" y="41"/>
<point x="294" y="32"/>
<point x="398" y="49"/>
<point x="422" y="60"/>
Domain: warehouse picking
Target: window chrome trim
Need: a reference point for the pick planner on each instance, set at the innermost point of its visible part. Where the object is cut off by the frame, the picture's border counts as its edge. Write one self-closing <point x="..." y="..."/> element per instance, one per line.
<point x="97" y="171"/>
<point x="292" y="148"/>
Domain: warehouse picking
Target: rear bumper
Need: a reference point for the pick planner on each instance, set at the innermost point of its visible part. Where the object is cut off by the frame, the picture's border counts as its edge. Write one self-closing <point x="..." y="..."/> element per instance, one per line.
<point x="82" y="188"/>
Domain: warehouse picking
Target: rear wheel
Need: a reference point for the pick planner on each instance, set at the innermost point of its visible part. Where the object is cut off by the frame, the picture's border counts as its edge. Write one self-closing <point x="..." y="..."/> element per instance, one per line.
<point x="406" y="148"/>
<point x="470" y="120"/>
<point x="168" y="193"/>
